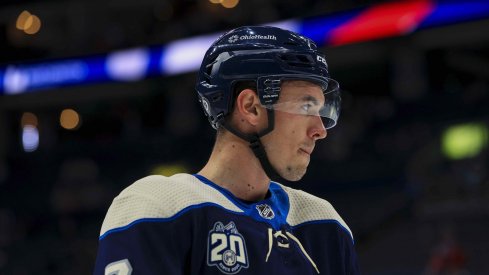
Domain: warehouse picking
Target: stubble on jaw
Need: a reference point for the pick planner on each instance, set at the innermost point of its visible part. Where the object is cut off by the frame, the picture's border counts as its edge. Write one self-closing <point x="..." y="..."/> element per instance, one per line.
<point x="293" y="173"/>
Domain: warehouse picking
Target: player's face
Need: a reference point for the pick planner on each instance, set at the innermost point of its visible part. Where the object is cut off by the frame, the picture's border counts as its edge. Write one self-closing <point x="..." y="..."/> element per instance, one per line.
<point x="290" y="144"/>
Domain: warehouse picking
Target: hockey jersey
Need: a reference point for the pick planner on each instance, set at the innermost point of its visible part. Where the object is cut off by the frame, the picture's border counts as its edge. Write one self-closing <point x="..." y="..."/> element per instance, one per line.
<point x="187" y="225"/>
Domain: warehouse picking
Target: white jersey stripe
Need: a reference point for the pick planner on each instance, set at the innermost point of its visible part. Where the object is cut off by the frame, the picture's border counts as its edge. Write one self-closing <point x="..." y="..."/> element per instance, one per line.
<point x="161" y="197"/>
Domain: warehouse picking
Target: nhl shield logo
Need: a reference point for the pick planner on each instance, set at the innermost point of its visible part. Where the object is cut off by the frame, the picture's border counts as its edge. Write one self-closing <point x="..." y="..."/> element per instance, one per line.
<point x="265" y="211"/>
<point x="226" y="248"/>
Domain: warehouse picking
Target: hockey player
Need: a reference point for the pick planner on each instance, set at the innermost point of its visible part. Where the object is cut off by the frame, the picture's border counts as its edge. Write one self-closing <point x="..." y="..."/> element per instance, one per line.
<point x="268" y="93"/>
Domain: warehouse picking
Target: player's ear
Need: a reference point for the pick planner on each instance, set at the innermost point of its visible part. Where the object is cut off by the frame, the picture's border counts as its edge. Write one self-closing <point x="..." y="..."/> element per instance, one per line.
<point x="248" y="106"/>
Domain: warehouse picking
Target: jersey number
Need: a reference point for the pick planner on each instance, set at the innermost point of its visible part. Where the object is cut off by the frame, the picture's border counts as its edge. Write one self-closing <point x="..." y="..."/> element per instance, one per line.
<point x="122" y="267"/>
<point x="235" y="244"/>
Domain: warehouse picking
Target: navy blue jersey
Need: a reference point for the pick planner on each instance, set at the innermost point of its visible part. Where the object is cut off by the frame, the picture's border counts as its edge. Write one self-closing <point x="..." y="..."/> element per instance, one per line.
<point x="185" y="224"/>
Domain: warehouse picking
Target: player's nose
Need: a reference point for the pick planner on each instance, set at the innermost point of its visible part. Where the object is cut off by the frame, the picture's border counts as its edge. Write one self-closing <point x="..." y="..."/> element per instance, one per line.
<point x="317" y="130"/>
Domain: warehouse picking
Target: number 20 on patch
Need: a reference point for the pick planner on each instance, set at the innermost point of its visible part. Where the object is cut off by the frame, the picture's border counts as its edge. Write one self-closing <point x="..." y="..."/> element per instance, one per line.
<point x="226" y="248"/>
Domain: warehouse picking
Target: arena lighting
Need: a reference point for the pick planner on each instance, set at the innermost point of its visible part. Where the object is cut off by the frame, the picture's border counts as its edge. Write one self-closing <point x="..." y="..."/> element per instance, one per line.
<point x="34" y="25"/>
<point x="18" y="79"/>
<point x="69" y="119"/>
<point x="464" y="140"/>
<point x="30" y="138"/>
<point x="22" y="20"/>
<point x="182" y="56"/>
<point x="128" y="65"/>
<point x="27" y="22"/>
<point x="389" y="19"/>
<point x="168" y="169"/>
<point x="28" y="119"/>
<point x="185" y="55"/>
<point x="453" y="12"/>
<point x="229" y="4"/>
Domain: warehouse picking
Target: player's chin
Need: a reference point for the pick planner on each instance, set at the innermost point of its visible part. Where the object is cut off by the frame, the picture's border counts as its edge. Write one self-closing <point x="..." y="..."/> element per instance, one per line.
<point x="294" y="173"/>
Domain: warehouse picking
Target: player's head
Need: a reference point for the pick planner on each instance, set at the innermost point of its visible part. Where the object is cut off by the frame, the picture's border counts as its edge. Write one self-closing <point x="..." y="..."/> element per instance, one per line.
<point x="264" y="58"/>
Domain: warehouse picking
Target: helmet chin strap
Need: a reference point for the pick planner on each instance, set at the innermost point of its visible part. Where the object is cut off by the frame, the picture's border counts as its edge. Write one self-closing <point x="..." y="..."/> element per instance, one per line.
<point x="257" y="147"/>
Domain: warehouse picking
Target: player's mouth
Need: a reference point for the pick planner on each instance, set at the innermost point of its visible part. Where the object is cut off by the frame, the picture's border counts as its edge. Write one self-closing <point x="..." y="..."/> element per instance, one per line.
<point x="306" y="151"/>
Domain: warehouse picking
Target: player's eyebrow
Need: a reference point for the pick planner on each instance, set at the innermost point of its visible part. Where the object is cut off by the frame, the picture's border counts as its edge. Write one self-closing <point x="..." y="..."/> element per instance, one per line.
<point x="309" y="98"/>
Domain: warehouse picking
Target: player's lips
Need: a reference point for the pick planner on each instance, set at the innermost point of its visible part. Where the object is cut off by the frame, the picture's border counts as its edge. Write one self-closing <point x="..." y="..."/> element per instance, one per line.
<point x="306" y="150"/>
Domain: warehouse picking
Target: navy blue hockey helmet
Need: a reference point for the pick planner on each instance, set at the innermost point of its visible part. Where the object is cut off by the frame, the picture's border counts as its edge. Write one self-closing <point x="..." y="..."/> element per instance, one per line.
<point x="266" y="56"/>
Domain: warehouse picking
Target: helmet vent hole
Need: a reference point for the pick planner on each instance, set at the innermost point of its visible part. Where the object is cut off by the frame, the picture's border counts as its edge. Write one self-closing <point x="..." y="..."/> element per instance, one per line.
<point x="291" y="43"/>
<point x="298" y="60"/>
<point x="304" y="58"/>
<point x="208" y="69"/>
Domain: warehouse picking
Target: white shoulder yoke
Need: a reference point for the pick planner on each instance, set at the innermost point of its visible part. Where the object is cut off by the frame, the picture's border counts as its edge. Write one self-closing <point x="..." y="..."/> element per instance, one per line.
<point x="305" y="208"/>
<point x="161" y="197"/>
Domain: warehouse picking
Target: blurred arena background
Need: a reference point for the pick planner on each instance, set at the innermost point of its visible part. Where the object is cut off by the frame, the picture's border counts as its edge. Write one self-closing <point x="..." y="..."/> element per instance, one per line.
<point x="97" y="94"/>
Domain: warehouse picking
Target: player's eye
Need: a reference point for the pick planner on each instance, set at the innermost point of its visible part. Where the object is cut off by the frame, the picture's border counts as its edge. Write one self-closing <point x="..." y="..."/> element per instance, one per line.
<point x="306" y="107"/>
<point x="309" y="109"/>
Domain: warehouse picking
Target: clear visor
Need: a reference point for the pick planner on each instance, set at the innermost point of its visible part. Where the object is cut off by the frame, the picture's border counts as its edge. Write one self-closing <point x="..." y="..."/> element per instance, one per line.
<point x="328" y="108"/>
